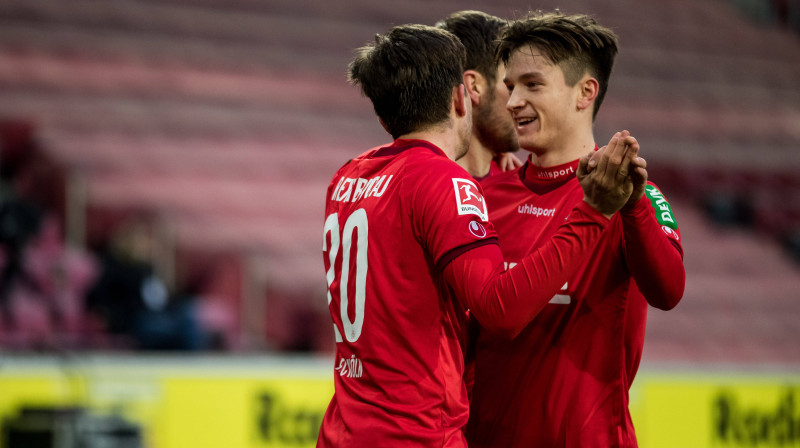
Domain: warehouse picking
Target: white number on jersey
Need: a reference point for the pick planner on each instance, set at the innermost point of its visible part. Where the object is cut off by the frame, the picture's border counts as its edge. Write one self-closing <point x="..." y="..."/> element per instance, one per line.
<point x="561" y="299"/>
<point x="357" y="221"/>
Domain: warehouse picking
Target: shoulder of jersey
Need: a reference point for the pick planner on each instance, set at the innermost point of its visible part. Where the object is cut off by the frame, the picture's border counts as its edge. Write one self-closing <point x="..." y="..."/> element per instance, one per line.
<point x="361" y="156"/>
<point x="423" y="159"/>
<point x="368" y="153"/>
<point x="429" y="160"/>
<point x="372" y="151"/>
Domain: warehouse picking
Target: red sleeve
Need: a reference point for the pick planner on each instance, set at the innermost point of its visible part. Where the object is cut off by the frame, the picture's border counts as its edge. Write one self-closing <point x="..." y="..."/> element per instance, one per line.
<point x="507" y="300"/>
<point x="653" y="251"/>
<point x="449" y="210"/>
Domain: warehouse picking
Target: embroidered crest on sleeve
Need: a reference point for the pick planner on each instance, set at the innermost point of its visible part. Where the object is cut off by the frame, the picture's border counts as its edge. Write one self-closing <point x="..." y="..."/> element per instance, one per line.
<point x="469" y="200"/>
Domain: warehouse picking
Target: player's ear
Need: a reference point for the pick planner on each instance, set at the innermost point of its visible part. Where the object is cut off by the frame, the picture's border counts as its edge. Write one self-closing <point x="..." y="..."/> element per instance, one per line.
<point x="587" y="93"/>
<point x="460" y="99"/>
<point x="472" y="81"/>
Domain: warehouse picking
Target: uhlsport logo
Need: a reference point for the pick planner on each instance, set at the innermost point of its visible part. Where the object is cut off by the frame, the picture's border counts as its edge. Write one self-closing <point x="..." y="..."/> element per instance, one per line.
<point x="469" y="200"/>
<point x="671" y="233"/>
<point x="544" y="173"/>
<point x="477" y="229"/>
<point x="527" y="209"/>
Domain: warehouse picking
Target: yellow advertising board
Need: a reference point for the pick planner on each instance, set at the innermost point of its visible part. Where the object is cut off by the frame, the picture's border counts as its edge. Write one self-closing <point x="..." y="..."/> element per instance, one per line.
<point x="279" y="402"/>
<point x="716" y="410"/>
<point x="199" y="403"/>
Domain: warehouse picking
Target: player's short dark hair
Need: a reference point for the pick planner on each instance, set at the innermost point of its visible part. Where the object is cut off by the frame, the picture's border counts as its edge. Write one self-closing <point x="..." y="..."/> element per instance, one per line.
<point x="409" y="74"/>
<point x="478" y="32"/>
<point x="576" y="43"/>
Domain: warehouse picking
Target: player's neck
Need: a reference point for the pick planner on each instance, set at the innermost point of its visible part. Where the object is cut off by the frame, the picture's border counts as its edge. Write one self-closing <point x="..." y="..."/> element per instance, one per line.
<point x="446" y="140"/>
<point x="564" y="151"/>
<point x="478" y="159"/>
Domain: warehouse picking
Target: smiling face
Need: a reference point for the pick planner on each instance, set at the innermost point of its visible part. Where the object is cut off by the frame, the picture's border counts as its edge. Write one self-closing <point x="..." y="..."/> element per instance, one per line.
<point x="544" y="108"/>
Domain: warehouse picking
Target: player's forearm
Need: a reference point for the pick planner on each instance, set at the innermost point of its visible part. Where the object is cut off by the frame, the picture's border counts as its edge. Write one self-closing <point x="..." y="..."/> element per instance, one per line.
<point x="507" y="300"/>
<point x="655" y="261"/>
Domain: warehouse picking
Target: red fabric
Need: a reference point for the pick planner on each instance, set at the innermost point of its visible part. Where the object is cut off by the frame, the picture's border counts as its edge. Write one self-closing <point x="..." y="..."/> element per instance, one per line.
<point x="494" y="169"/>
<point x="507" y="300"/>
<point x="564" y="380"/>
<point x="656" y="267"/>
<point x="399" y="381"/>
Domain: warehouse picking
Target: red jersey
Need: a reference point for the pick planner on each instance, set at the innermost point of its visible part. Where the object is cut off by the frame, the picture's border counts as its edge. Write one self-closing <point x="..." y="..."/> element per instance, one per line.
<point x="394" y="216"/>
<point x="494" y="169"/>
<point x="564" y="380"/>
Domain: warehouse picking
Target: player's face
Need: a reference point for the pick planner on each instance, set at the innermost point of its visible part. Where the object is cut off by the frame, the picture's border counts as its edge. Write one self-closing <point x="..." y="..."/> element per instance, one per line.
<point x="493" y="124"/>
<point x="542" y="105"/>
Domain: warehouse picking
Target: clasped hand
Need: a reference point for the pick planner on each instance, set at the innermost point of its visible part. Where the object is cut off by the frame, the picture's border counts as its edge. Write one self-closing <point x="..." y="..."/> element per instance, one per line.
<point x="613" y="176"/>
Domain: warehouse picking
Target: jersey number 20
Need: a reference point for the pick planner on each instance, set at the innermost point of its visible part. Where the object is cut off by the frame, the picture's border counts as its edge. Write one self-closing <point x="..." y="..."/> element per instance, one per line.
<point x="356" y="223"/>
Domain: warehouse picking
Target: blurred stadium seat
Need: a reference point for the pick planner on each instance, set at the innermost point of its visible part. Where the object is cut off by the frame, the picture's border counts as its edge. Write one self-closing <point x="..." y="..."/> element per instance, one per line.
<point x="228" y="121"/>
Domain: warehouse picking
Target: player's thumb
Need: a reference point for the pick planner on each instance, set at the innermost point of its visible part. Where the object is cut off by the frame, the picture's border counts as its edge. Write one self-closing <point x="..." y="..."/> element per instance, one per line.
<point x="583" y="166"/>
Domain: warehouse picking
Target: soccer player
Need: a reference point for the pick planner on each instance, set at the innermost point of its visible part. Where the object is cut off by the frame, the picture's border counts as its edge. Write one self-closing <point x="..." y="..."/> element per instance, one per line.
<point x="493" y="140"/>
<point x="407" y="248"/>
<point x="563" y="381"/>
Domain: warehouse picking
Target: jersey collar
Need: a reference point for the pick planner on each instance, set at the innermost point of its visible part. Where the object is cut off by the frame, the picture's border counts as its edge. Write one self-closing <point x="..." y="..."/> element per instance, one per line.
<point x="542" y="180"/>
<point x="400" y="145"/>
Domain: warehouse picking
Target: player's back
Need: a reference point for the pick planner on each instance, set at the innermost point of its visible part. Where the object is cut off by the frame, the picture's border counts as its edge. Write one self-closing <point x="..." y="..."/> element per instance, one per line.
<point x="399" y="335"/>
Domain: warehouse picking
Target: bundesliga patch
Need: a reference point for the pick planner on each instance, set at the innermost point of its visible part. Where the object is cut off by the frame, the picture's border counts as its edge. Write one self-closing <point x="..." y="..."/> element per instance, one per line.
<point x="469" y="200"/>
<point x="663" y="210"/>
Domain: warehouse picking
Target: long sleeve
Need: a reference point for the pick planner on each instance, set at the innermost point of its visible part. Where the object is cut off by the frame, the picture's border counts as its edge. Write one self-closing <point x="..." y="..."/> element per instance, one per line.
<point x="654" y="258"/>
<point x="507" y="300"/>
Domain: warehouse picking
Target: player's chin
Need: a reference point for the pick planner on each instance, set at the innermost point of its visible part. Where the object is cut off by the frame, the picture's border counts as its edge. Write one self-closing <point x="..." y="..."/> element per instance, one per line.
<point x="528" y="135"/>
<point x="526" y="142"/>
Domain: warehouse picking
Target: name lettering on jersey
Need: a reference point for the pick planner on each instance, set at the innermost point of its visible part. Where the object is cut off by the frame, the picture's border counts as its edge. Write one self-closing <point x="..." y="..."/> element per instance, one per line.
<point x="469" y="200"/>
<point x="527" y="209"/>
<point x="350" y="367"/>
<point x="663" y="209"/>
<point x="352" y="190"/>
<point x="559" y="299"/>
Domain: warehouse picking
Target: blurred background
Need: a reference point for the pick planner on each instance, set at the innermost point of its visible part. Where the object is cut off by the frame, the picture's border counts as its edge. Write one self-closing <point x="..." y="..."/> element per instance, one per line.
<point x="163" y="165"/>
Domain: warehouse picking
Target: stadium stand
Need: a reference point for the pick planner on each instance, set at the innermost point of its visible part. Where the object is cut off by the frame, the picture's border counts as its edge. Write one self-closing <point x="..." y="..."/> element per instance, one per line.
<point x="223" y="123"/>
